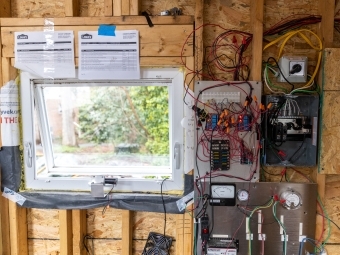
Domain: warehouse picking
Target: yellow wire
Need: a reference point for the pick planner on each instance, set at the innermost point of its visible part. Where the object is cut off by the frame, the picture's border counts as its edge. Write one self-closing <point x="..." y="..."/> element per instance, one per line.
<point x="286" y="37"/>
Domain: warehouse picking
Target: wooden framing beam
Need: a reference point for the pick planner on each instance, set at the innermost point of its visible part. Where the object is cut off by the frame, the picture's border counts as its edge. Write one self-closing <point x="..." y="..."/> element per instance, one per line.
<point x="327" y="11"/>
<point x="72" y="8"/>
<point x="108" y="12"/>
<point x="135" y="7"/>
<point x="198" y="51"/>
<point x="5" y="225"/>
<point x="153" y="43"/>
<point x="117" y="8"/>
<point x="65" y="232"/>
<point x="127" y="232"/>
<point x="95" y="21"/>
<point x="256" y="20"/>
<point x="125" y="7"/>
<point x="5" y="8"/>
<point x="79" y="228"/>
<point x="18" y="229"/>
<point x="180" y="234"/>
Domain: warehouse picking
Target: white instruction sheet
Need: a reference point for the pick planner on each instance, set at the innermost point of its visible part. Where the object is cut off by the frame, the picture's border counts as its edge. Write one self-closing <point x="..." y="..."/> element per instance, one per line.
<point x="10" y="114"/>
<point x="47" y="54"/>
<point x="109" y="57"/>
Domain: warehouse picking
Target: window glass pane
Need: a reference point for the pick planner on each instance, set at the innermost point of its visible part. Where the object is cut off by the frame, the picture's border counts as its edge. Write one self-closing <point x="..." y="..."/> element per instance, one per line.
<point x="118" y="126"/>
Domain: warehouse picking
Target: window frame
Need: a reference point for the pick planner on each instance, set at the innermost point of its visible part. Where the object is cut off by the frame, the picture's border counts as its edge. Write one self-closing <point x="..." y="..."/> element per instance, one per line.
<point x="173" y="76"/>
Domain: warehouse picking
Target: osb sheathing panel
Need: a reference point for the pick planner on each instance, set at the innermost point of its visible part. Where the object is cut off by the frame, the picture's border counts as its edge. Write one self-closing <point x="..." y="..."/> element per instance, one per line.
<point x="48" y="9"/>
<point x="229" y="14"/>
<point x="145" y="222"/>
<point x="330" y="133"/>
<point x="332" y="204"/>
<point x="43" y="247"/>
<point x="37" y="8"/>
<point x="91" y="8"/>
<point x="274" y="174"/>
<point x="114" y="247"/>
<point x="276" y="10"/>
<point x="43" y="223"/>
<point x="155" y="6"/>
<point x="331" y="69"/>
<point x="108" y="225"/>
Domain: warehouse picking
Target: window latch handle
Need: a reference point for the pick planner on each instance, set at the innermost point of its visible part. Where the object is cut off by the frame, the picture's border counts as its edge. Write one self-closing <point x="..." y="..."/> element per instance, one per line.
<point x="177" y="155"/>
<point x="28" y="150"/>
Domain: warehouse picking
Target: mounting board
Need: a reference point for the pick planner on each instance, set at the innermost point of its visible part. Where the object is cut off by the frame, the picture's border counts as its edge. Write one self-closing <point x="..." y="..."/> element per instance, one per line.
<point x="241" y="129"/>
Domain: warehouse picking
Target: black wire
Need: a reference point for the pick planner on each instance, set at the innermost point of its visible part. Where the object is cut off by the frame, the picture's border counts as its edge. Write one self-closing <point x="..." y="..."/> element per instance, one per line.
<point x="329" y="220"/>
<point x="163" y="204"/>
<point x="277" y="64"/>
<point x="295" y="153"/>
<point x="85" y="245"/>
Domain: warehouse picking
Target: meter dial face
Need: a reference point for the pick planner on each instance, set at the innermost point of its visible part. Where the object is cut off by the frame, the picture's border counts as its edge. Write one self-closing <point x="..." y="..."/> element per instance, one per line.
<point x="242" y="195"/>
<point x="222" y="191"/>
<point x="292" y="199"/>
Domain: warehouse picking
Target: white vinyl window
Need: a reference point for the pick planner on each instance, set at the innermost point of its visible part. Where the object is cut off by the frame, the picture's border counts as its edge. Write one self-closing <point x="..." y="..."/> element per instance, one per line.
<point x="74" y="130"/>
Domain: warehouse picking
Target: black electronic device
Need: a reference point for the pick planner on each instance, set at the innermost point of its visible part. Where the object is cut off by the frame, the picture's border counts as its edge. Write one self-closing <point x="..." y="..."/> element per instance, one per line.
<point x="157" y="244"/>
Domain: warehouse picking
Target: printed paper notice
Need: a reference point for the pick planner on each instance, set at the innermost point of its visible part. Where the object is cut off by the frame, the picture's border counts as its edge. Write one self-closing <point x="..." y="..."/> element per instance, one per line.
<point x="9" y="107"/>
<point x="109" y="57"/>
<point x="48" y="54"/>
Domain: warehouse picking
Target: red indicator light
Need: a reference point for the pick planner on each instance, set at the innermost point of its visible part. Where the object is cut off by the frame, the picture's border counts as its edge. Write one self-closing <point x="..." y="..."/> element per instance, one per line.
<point x="205" y="231"/>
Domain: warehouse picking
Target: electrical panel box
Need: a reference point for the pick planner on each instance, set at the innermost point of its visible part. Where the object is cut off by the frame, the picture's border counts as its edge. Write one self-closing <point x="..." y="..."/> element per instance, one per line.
<point x="294" y="69"/>
<point x="228" y="118"/>
<point x="290" y="127"/>
<point x="231" y="228"/>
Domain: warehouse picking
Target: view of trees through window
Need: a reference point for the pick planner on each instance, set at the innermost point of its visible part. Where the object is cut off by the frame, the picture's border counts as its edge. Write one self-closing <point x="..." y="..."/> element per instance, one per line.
<point x="108" y="125"/>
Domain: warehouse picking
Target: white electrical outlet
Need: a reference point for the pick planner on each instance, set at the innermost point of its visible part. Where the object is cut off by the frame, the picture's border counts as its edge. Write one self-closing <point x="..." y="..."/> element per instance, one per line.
<point x="293" y="68"/>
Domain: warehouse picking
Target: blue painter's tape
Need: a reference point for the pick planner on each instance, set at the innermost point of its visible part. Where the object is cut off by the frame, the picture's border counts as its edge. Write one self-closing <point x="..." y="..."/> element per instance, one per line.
<point x="107" y="30"/>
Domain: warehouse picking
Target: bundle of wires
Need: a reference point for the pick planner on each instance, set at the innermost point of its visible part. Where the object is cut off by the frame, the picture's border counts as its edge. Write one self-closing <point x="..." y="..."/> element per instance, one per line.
<point x="303" y="33"/>
<point x="292" y="22"/>
<point x="234" y="41"/>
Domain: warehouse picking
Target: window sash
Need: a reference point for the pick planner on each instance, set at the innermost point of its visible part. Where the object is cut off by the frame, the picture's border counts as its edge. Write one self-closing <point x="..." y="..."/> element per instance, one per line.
<point x="169" y="76"/>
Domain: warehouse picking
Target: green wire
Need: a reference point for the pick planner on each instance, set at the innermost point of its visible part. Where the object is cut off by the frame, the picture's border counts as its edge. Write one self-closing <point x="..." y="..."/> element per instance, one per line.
<point x="271" y="84"/>
<point x="328" y="221"/>
<point x="284" y="230"/>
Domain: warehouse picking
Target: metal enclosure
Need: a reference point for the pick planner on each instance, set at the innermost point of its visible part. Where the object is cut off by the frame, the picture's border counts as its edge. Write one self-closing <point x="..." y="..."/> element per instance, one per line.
<point x="296" y="151"/>
<point x="229" y="221"/>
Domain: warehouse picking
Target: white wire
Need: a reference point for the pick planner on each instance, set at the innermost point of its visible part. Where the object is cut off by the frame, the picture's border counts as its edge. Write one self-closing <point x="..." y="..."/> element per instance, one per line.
<point x="302" y="88"/>
<point x="266" y="82"/>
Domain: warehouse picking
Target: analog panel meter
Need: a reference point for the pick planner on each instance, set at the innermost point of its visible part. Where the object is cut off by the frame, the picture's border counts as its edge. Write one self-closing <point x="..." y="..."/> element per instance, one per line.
<point x="292" y="199"/>
<point x="242" y="195"/>
<point x="223" y="194"/>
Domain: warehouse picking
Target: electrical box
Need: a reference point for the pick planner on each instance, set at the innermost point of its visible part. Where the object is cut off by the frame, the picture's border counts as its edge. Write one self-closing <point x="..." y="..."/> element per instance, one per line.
<point x="293" y="68"/>
<point x="290" y="128"/>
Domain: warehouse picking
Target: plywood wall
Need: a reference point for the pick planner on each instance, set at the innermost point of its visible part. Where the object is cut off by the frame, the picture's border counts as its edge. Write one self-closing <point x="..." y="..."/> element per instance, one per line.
<point x="104" y="230"/>
<point x="43" y="225"/>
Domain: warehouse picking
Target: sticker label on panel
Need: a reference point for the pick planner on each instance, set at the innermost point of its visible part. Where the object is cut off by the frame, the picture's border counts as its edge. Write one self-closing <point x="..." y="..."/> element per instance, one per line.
<point x="221" y="251"/>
